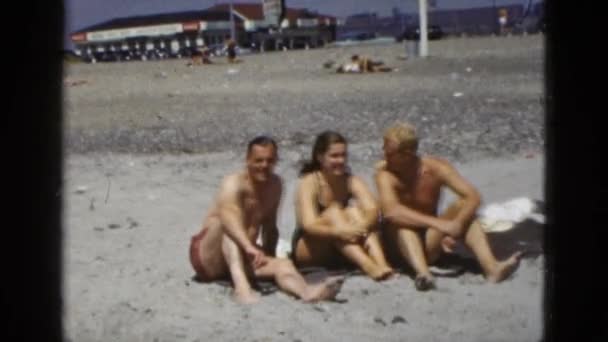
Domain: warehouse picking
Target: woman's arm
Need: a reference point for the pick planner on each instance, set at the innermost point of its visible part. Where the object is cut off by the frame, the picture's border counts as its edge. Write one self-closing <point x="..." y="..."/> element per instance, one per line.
<point x="366" y="201"/>
<point x="307" y="213"/>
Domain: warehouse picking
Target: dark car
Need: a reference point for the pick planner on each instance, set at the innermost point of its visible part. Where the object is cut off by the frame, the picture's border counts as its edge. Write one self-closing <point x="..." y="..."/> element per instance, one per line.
<point x="434" y="32"/>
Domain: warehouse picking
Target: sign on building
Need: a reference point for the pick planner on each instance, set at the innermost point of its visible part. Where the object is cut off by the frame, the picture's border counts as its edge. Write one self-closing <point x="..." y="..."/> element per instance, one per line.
<point x="273" y="11"/>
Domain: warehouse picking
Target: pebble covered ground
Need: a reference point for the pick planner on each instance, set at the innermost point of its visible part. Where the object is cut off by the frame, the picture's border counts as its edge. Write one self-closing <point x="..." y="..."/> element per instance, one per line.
<point x="471" y="98"/>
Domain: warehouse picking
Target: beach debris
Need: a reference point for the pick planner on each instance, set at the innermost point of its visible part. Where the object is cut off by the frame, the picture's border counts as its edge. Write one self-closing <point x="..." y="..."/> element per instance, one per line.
<point x="320" y="307"/>
<point x="380" y="321"/>
<point x="457" y="94"/>
<point x="81" y="189"/>
<point x="132" y="223"/>
<point x="398" y="319"/>
<point x="108" y="189"/>
<point x="232" y="71"/>
<point x="329" y="64"/>
<point x="469" y="69"/>
<point x="70" y="83"/>
<point x="161" y="74"/>
<point x="113" y="226"/>
<point x="403" y="57"/>
<point x="99" y="229"/>
<point x="92" y="204"/>
<point x="490" y="100"/>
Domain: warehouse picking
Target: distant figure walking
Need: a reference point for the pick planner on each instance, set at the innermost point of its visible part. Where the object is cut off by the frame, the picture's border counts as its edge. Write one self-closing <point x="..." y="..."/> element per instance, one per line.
<point x="231" y="51"/>
<point x="502" y="21"/>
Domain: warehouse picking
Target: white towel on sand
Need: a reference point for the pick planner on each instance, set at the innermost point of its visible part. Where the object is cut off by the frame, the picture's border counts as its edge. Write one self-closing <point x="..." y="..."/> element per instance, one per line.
<point x="501" y="217"/>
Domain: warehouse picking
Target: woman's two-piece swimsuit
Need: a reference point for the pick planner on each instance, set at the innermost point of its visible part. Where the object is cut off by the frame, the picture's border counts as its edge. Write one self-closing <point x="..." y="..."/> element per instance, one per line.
<point x="299" y="232"/>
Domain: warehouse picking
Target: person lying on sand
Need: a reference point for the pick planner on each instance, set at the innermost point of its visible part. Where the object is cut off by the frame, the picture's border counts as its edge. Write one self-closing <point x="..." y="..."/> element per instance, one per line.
<point x="409" y="186"/>
<point x="247" y="201"/>
<point x="336" y="214"/>
<point x="359" y="64"/>
<point x="200" y="56"/>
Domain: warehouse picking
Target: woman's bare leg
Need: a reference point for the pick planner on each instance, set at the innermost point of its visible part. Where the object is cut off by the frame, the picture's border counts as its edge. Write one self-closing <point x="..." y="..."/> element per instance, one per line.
<point x="372" y="244"/>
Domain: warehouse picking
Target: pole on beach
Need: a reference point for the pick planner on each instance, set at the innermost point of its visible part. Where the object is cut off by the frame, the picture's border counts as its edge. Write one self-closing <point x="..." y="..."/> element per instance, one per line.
<point x="422" y="13"/>
<point x="232" y="30"/>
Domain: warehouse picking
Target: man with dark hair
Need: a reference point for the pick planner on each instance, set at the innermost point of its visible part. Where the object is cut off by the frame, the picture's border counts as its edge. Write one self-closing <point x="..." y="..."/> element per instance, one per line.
<point x="226" y="245"/>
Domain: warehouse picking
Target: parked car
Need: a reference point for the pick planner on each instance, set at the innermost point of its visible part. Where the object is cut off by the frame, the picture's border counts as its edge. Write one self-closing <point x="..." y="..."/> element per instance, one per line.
<point x="412" y="32"/>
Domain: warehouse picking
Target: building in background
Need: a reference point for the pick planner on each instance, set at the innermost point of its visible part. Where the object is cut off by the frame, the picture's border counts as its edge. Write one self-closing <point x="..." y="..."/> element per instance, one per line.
<point x="471" y="21"/>
<point x="267" y="25"/>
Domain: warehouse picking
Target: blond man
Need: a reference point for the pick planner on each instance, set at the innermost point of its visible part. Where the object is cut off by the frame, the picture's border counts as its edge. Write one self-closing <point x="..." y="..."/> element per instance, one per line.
<point x="409" y="186"/>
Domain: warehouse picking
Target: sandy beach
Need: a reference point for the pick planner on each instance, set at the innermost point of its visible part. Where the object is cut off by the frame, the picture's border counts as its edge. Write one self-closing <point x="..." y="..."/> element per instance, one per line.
<point x="148" y="142"/>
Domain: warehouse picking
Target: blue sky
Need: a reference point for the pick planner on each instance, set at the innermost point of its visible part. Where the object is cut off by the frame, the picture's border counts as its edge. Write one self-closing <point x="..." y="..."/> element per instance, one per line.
<point x="82" y="13"/>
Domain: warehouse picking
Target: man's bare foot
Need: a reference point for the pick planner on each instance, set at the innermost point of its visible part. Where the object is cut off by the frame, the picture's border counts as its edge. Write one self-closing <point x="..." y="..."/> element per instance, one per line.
<point x="424" y="282"/>
<point x="505" y="268"/>
<point x="326" y="290"/>
<point x="386" y="273"/>
<point x="246" y="297"/>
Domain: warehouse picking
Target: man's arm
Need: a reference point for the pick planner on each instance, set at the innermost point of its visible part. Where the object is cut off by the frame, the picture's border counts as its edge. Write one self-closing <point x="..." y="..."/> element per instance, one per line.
<point x="397" y="213"/>
<point x="270" y="232"/>
<point x="231" y="216"/>
<point x="469" y="195"/>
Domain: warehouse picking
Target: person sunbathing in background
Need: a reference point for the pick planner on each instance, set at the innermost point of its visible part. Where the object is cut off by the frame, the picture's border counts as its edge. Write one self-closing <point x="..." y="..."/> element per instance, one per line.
<point x="409" y="186"/>
<point x="359" y="64"/>
<point x="200" y="56"/>
<point x="226" y="245"/>
<point x="336" y="214"/>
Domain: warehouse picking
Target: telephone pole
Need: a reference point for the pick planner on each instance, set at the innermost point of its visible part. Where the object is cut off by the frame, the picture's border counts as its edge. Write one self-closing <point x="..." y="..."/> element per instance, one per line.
<point x="422" y="13"/>
<point x="232" y="30"/>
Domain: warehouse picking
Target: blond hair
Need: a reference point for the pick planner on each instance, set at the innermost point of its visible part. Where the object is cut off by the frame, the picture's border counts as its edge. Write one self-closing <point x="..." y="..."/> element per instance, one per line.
<point x="404" y="134"/>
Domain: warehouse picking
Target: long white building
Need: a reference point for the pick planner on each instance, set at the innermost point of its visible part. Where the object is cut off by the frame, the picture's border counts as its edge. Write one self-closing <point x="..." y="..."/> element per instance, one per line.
<point x="261" y="26"/>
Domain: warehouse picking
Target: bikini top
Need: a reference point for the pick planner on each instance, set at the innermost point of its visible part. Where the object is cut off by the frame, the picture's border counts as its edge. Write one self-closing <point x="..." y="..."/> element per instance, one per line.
<point x="320" y="206"/>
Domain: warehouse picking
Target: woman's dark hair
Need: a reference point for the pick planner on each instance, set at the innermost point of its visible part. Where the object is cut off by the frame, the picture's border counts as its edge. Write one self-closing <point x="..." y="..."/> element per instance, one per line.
<point x="262" y="140"/>
<point x="322" y="143"/>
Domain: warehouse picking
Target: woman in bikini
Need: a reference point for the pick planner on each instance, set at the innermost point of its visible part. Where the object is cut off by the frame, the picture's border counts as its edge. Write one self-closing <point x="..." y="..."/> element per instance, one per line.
<point x="336" y="214"/>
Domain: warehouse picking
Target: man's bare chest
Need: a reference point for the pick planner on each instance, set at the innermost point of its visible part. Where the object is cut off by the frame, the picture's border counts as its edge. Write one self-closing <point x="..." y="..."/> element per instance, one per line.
<point x="420" y="192"/>
<point x="255" y="209"/>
